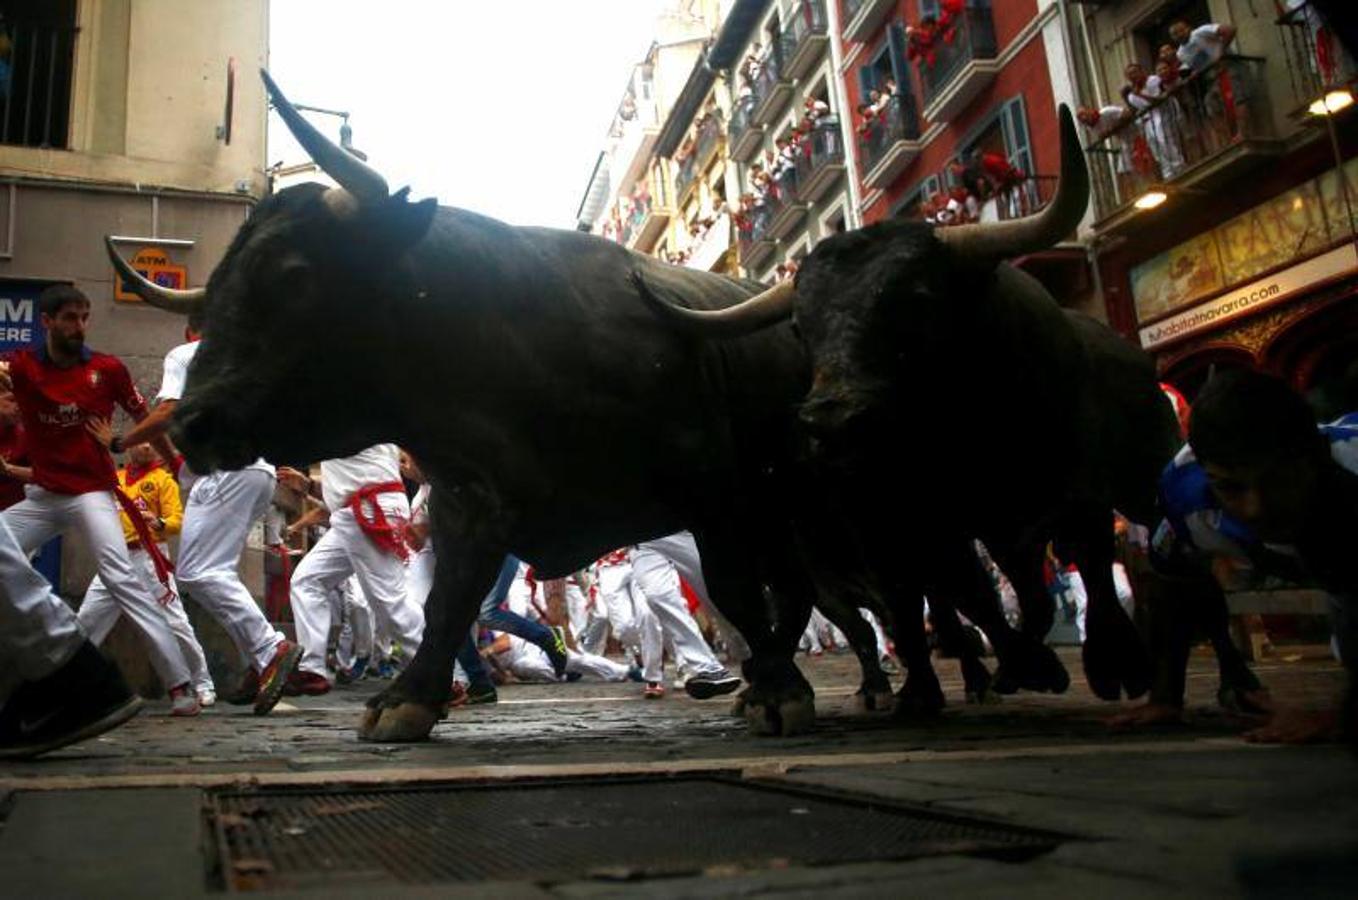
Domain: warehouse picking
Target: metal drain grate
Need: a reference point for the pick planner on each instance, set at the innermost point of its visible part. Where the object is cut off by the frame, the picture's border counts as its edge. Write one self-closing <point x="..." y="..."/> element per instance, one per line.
<point x="555" y="830"/>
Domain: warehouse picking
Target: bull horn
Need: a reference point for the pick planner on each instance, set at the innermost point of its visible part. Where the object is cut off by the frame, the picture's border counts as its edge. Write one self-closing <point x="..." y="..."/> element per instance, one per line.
<point x="183" y="302"/>
<point x="1002" y="240"/>
<point x="769" y="308"/>
<point x="350" y="172"/>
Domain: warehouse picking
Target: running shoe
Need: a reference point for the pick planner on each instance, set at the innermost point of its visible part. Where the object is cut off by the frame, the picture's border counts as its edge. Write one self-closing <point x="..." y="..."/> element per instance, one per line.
<point x="245" y="692"/>
<point x="473" y="694"/>
<point x="634" y="673"/>
<point x="711" y="684"/>
<point x="653" y="690"/>
<point x="184" y="702"/>
<point x="354" y="672"/>
<point x="85" y="697"/>
<point x="556" y="651"/>
<point x="207" y="696"/>
<point x="286" y="656"/>
<point x="309" y="683"/>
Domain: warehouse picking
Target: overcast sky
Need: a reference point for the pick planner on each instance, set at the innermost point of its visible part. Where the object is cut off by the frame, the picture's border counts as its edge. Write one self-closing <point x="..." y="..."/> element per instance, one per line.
<point x="500" y="106"/>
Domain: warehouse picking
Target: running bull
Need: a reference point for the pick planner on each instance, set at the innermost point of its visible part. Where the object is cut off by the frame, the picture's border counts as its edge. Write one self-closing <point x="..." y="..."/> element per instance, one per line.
<point x="952" y="399"/>
<point x="556" y="416"/>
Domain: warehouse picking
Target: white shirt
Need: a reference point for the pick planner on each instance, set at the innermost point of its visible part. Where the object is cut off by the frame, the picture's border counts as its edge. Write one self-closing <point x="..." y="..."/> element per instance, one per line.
<point x="172" y="379"/>
<point x="379" y="464"/>
<point x="1203" y="47"/>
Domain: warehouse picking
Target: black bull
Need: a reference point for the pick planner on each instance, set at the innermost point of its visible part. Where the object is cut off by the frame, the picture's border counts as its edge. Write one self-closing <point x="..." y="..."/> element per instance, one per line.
<point x="556" y="417"/>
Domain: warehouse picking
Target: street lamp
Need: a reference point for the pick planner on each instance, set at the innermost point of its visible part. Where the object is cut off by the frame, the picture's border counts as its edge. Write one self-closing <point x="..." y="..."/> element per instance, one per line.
<point x="1150" y="200"/>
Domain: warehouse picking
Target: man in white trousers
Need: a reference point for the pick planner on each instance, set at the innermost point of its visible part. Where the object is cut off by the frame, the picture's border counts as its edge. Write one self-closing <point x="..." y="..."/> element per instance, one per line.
<point x="219" y="511"/>
<point x="56" y="688"/>
<point x="368" y="516"/>
<point x="66" y="393"/>
<point x="656" y="566"/>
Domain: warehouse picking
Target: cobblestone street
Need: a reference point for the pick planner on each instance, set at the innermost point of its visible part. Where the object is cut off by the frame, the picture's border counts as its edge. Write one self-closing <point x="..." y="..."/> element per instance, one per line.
<point x="1034" y="761"/>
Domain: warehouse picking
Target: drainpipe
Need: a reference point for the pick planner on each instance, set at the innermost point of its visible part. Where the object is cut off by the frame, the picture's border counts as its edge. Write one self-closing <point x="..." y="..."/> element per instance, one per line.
<point x="853" y="218"/>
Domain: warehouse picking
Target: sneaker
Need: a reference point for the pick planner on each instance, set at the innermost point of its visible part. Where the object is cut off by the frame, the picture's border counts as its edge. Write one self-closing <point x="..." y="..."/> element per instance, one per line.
<point x="183" y="701"/>
<point x="634" y="673"/>
<point x="85" y="697"/>
<point x="245" y="692"/>
<point x="653" y="690"/>
<point x="354" y="672"/>
<point x="385" y="669"/>
<point x="309" y="683"/>
<point x="556" y="651"/>
<point x="207" y="696"/>
<point x="286" y="656"/>
<point x="473" y="694"/>
<point x="713" y="684"/>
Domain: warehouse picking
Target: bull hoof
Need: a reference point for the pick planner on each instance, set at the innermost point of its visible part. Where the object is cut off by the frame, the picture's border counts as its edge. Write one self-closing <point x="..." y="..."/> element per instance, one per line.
<point x="738" y="704"/>
<point x="367" y="722"/>
<point x="870" y="700"/>
<point x="977" y="679"/>
<point x="405" y="723"/>
<point x="788" y="717"/>
<point x="920" y="698"/>
<point x="1113" y="666"/>
<point x="1031" y="666"/>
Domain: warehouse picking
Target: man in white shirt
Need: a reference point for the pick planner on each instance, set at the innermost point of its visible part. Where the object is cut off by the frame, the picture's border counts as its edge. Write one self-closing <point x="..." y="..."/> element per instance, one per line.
<point x="368" y="516"/>
<point x="1200" y="47"/>
<point x="218" y="513"/>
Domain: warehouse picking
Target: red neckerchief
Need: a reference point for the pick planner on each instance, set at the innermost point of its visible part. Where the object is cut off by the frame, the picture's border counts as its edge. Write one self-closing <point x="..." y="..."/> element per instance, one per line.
<point x="132" y="473"/>
<point x="387" y="536"/>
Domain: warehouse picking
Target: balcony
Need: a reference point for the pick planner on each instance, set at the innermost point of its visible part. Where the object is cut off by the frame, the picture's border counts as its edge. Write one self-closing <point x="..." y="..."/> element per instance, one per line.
<point x="1019" y="200"/>
<point x="1210" y="130"/>
<point x="651" y="213"/>
<point x="890" y="142"/>
<point x="862" y="18"/>
<point x="804" y="38"/>
<point x="640" y="129"/>
<point x="960" y="68"/>
<point x="771" y="88"/>
<point x="710" y="134"/>
<point x="753" y="241"/>
<point x="786" y="207"/>
<point x="744" y="138"/>
<point x="818" y="170"/>
<point x="709" y="249"/>
<point x="1316" y="63"/>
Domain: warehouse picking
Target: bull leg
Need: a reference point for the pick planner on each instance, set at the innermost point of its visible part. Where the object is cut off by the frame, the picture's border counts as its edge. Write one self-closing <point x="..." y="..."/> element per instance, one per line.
<point x="955" y="640"/>
<point x="921" y="696"/>
<point x="1025" y="662"/>
<point x="777" y="700"/>
<point x="408" y="710"/>
<point x="874" y="692"/>
<point x="1114" y="656"/>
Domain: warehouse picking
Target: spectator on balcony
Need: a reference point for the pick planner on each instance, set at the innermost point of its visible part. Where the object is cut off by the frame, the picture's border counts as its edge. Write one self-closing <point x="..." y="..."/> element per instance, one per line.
<point x="628" y="110"/>
<point x="786" y="159"/>
<point x="1102" y="124"/>
<point x="1157" y="120"/>
<point x="1200" y="47"/>
<point x="1169" y="56"/>
<point x="753" y="63"/>
<point x="867" y="119"/>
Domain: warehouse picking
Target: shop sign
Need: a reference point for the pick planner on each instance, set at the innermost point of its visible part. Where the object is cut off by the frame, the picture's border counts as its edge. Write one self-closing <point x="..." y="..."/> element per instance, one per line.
<point x="155" y="266"/>
<point x="1252" y="297"/>
<point x="1290" y="226"/>
<point x="19" y="323"/>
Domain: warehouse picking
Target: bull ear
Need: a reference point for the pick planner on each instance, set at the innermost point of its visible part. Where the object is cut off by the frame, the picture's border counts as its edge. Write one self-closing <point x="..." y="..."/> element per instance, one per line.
<point x="402" y="224"/>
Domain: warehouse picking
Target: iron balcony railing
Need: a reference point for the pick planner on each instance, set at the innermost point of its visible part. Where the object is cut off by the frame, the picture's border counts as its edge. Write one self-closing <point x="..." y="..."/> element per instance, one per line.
<point x="770" y="75"/>
<point x="1200" y="118"/>
<point x="685" y="174"/>
<point x="806" y="19"/>
<point x="973" y="37"/>
<point x="1021" y="199"/>
<point x="742" y="117"/>
<point x="35" y="83"/>
<point x="826" y="147"/>
<point x="1316" y="60"/>
<point x="898" y="122"/>
<point x="709" y="134"/>
<point x="641" y="208"/>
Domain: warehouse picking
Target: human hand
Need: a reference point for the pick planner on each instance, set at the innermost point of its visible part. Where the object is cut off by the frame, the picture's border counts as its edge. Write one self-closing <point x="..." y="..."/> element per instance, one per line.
<point x="102" y="430"/>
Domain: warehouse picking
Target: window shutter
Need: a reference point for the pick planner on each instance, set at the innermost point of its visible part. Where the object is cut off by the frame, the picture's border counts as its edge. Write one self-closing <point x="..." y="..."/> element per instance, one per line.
<point x="867" y="81"/>
<point x="895" y="36"/>
<point x="1014" y="124"/>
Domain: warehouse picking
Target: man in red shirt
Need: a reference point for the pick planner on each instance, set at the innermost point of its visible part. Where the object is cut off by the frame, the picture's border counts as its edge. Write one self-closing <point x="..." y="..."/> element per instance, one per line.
<point x="14" y="470"/>
<point x="63" y="388"/>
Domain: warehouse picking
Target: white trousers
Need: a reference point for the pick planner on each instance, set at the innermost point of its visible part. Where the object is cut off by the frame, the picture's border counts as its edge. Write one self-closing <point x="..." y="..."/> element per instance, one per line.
<point x="588" y="623"/>
<point x="38" y="632"/>
<point x="682" y="550"/>
<point x="345" y="550"/>
<point x="527" y="662"/>
<point x="45" y="514"/>
<point x="355" y="639"/>
<point x="420" y="574"/>
<point x="630" y="617"/>
<point x="658" y="580"/>
<point x="217" y="519"/>
<point x="99" y="612"/>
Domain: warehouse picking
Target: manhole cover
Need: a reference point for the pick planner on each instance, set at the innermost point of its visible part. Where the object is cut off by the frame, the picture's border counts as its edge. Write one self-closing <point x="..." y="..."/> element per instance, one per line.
<point x="556" y="830"/>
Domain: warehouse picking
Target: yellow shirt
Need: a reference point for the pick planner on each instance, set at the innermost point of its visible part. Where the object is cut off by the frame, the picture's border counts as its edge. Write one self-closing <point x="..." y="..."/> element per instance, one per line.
<point x="159" y="492"/>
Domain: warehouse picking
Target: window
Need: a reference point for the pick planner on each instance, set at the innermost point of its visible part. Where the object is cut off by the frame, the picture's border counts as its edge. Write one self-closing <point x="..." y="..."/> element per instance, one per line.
<point x="1150" y="35"/>
<point x="1006" y="134"/>
<point x="911" y="204"/>
<point x="887" y="65"/>
<point x="37" y="52"/>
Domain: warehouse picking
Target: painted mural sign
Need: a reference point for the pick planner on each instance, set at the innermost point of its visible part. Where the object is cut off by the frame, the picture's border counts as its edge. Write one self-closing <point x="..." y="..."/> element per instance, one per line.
<point x="19" y="324"/>
<point x="154" y="265"/>
<point x="1293" y="225"/>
